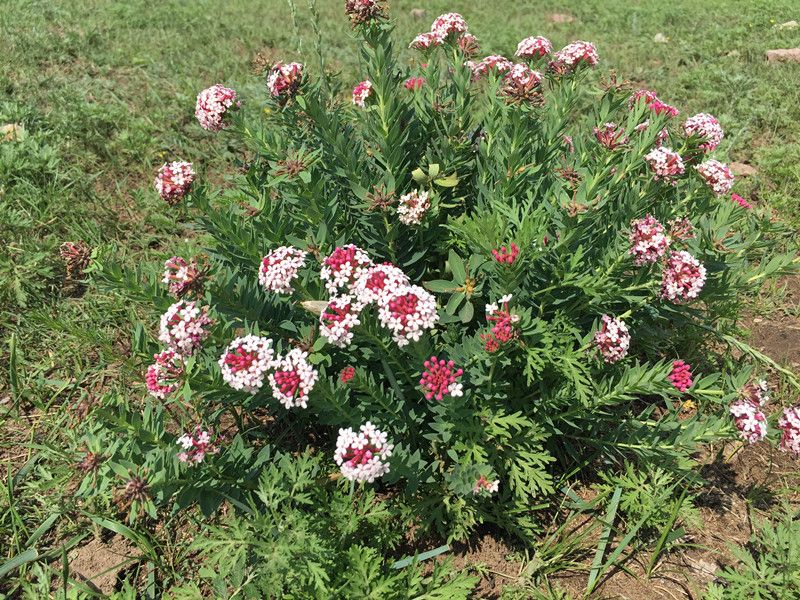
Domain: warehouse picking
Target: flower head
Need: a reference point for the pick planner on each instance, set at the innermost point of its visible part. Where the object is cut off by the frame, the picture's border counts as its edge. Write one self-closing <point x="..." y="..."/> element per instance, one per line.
<point x="412" y="207"/>
<point x="76" y="257"/>
<point x="612" y="339"/>
<point x="339" y="318"/>
<point x="196" y="445"/>
<point x="440" y="379"/>
<point x="343" y="267"/>
<point x="174" y="180"/>
<point x="293" y="379"/>
<point x="504" y="324"/>
<point x="648" y="240"/>
<point x="665" y="163"/>
<point x="741" y="201"/>
<point x="683" y="278"/>
<point x="425" y="41"/>
<point x="485" y="487"/>
<point x="184" y="277"/>
<point x="164" y="375"/>
<point x="492" y="63"/>
<point x="534" y="47"/>
<point x="706" y="128"/>
<point x="521" y="75"/>
<point x="184" y="327"/>
<point x="407" y="312"/>
<point x="789" y="424"/>
<point x="363" y="456"/>
<point x="279" y="269"/>
<point x="245" y="362"/>
<point x="506" y="256"/>
<point x="212" y="105"/>
<point x="448" y="25"/>
<point x="757" y="392"/>
<point x="414" y="83"/>
<point x="378" y="283"/>
<point x="362" y="12"/>
<point x="681" y="375"/>
<point x="573" y="55"/>
<point x="284" y="79"/>
<point x="610" y="136"/>
<point x="652" y="102"/>
<point x="717" y="175"/>
<point x="749" y="419"/>
<point x="361" y="92"/>
<point x="347" y="374"/>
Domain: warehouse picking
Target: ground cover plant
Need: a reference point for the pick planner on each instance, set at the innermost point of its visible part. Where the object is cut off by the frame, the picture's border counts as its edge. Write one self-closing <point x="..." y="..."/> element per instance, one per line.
<point x="143" y="348"/>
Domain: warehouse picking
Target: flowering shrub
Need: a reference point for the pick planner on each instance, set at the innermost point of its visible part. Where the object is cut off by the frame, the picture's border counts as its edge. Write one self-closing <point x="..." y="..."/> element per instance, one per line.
<point x="482" y="286"/>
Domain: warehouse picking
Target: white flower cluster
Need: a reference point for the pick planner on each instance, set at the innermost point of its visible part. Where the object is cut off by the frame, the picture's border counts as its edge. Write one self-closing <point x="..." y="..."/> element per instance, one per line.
<point x="683" y="278"/>
<point x="612" y="339"/>
<point x="279" y="269"/>
<point x="212" y="104"/>
<point x="534" y="47"/>
<point x="707" y="128"/>
<point x="363" y="456"/>
<point x="339" y="318"/>
<point x="412" y="207"/>
<point x="184" y="327"/>
<point x="717" y="175"/>
<point x="293" y="379"/>
<point x="372" y="286"/>
<point x="245" y="362"/>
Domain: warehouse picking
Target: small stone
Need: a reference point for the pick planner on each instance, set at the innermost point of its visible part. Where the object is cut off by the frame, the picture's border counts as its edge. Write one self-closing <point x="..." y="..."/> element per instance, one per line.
<point x="789" y="25"/>
<point x="560" y="18"/>
<point x="733" y="54"/>
<point x="417" y="13"/>
<point x="783" y="55"/>
<point x="743" y="169"/>
<point x="660" y="38"/>
<point x="13" y="132"/>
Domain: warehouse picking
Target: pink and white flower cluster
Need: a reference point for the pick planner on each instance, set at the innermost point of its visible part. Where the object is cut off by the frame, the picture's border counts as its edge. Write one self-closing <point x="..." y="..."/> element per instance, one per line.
<point x="485" y="487"/>
<point x="279" y="269"/>
<point x="407" y="312"/>
<point x="665" y="163"/>
<point x="294" y="377"/>
<point x="174" y="180"/>
<point x="492" y="63"/>
<point x="246" y="361"/>
<point x="285" y="79"/>
<point x="338" y="319"/>
<point x="374" y="286"/>
<point x="749" y="419"/>
<point x="611" y="136"/>
<point x="707" y="128"/>
<point x="440" y="379"/>
<point x="681" y="375"/>
<point x="652" y="102"/>
<point x="612" y="339"/>
<point x="504" y="324"/>
<point x="363" y="456"/>
<point x="534" y="47"/>
<point x="182" y="276"/>
<point x="717" y="175"/>
<point x="446" y="27"/>
<point x="683" y="277"/>
<point x="361" y="92"/>
<point x="164" y="375"/>
<point x="184" y="327"/>
<point x="197" y="445"/>
<point x="344" y="266"/>
<point x="522" y="76"/>
<point x="649" y="241"/>
<point x="212" y="105"/>
<point x="789" y="424"/>
<point x="571" y="56"/>
<point x="412" y="207"/>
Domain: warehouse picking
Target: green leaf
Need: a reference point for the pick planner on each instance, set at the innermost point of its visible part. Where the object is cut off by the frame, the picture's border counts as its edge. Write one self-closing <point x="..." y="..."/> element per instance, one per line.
<point x="449" y="181"/>
<point x="440" y="286"/>
<point x="457" y="266"/>
<point x="467" y="312"/>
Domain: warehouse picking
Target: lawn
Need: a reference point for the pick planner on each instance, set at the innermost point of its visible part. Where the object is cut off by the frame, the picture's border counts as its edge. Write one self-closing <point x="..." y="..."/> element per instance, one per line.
<point x="105" y="92"/>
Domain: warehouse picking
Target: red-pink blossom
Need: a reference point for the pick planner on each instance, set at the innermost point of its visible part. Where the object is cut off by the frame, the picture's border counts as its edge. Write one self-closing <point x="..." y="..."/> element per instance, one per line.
<point x="506" y="256"/>
<point x="681" y="375"/>
<point x="440" y="379"/>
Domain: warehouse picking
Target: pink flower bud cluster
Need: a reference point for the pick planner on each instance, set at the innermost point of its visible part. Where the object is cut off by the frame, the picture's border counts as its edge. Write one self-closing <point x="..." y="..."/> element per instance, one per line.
<point x="164" y="375"/>
<point x="407" y="312"/>
<point x="279" y="269"/>
<point x="681" y="375"/>
<point x="789" y="424"/>
<point x="339" y="318"/>
<point x="440" y="379"/>
<point x="611" y="136"/>
<point x="246" y="361"/>
<point x="412" y="207"/>
<point x="183" y="276"/>
<point x="184" y="327"/>
<point x="363" y="456"/>
<point x="612" y="339"/>
<point x="741" y="201"/>
<point x="284" y="79"/>
<point x="665" y="163"/>
<point x="749" y="419"/>
<point x="534" y="47"/>
<point x="414" y="83"/>
<point x="197" y="445"/>
<point x="648" y="239"/>
<point x="707" y="128"/>
<point x="493" y="63"/>
<point x="504" y="324"/>
<point x="344" y="266"/>
<point x="212" y="105"/>
<point x="363" y="12"/>
<point x="506" y="256"/>
<point x="717" y="175"/>
<point x="570" y="57"/>
<point x="361" y="92"/>
<point x="652" y="102"/>
<point x="174" y="180"/>
<point x="683" y="277"/>
<point x="485" y="487"/>
<point x="293" y="378"/>
<point x="347" y="374"/>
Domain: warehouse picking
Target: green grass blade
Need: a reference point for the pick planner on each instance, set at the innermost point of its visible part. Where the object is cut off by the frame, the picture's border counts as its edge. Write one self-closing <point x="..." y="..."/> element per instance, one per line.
<point x="404" y="562"/>
<point x="19" y="560"/>
<point x="597" y="564"/>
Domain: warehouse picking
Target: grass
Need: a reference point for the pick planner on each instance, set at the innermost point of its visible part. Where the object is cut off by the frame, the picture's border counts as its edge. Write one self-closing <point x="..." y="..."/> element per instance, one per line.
<point x="105" y="92"/>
